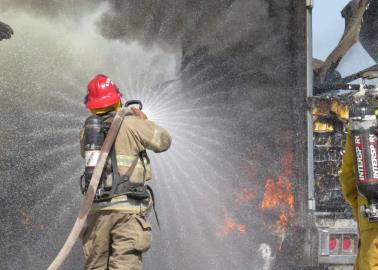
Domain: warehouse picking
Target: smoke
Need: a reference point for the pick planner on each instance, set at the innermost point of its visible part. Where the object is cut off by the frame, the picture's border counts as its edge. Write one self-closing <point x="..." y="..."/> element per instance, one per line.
<point x="167" y="23"/>
<point x="218" y="24"/>
<point x="54" y="9"/>
<point x="182" y="27"/>
<point x="81" y="49"/>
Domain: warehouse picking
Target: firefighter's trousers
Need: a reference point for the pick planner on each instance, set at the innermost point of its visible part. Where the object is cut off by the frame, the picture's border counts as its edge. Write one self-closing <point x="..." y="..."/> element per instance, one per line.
<point x="115" y="241"/>
<point x="367" y="257"/>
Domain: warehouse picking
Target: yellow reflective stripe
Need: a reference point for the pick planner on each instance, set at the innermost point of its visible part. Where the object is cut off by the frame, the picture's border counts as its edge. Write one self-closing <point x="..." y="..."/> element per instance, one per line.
<point x="121" y="198"/>
<point x="123" y="160"/>
<point x="130" y="206"/>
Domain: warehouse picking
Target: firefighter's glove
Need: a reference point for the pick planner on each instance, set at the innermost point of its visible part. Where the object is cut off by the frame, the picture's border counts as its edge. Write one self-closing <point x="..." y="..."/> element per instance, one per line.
<point x="139" y="113"/>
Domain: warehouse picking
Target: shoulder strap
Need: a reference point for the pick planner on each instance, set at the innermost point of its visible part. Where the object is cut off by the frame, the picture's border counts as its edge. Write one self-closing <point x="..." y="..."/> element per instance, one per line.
<point x="124" y="179"/>
<point x="131" y="169"/>
<point x="115" y="173"/>
<point x="116" y="179"/>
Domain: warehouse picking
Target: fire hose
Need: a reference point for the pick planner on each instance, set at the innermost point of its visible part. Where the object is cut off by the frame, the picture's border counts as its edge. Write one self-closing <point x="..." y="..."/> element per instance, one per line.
<point x="89" y="196"/>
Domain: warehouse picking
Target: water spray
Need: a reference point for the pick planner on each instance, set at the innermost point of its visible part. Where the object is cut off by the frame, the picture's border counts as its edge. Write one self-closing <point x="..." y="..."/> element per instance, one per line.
<point x="267" y="255"/>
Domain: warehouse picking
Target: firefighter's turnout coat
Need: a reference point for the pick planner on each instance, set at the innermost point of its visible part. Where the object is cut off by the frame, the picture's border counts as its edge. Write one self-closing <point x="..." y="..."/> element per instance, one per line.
<point x="367" y="258"/>
<point x="135" y="135"/>
<point x="117" y="231"/>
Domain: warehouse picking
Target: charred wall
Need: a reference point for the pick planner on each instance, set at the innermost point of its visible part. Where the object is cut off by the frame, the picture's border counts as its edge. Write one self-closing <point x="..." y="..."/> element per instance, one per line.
<point x="266" y="88"/>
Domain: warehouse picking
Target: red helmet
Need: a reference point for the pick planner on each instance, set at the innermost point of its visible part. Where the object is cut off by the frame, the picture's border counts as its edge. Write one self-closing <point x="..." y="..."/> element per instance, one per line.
<point x="102" y="93"/>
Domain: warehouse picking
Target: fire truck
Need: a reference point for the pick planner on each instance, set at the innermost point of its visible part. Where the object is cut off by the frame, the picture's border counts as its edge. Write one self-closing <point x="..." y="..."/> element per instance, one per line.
<point x="332" y="234"/>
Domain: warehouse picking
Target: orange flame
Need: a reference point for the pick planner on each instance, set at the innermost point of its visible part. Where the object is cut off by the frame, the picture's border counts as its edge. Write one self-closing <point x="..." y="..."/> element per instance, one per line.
<point x="282" y="221"/>
<point x="26" y="220"/>
<point x="242" y="228"/>
<point x="230" y="225"/>
<point x="39" y="227"/>
<point x="245" y="196"/>
<point x="279" y="194"/>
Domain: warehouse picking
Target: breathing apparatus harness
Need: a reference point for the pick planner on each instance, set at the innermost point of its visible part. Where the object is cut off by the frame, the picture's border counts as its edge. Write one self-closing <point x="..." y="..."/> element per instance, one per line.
<point x="364" y="136"/>
<point x="95" y="131"/>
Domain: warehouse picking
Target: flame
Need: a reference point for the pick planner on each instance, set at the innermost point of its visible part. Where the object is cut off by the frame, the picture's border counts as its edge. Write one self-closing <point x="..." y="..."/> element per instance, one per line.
<point x="27" y="220"/>
<point x="279" y="194"/>
<point x="242" y="228"/>
<point x="230" y="225"/>
<point x="39" y="227"/>
<point x="282" y="221"/>
<point x="245" y="196"/>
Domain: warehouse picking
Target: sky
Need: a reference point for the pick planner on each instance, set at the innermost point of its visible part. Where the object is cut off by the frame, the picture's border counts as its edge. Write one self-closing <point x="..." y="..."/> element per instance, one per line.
<point x="328" y="27"/>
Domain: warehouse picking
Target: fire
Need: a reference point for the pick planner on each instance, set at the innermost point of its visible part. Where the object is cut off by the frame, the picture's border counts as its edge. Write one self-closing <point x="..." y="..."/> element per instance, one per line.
<point x="279" y="193"/>
<point x="27" y="220"/>
<point x="241" y="228"/>
<point x="40" y="227"/>
<point x="245" y="196"/>
<point x="282" y="221"/>
<point x="230" y="225"/>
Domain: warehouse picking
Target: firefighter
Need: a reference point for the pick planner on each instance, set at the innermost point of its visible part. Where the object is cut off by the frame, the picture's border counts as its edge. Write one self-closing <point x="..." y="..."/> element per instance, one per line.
<point x="117" y="230"/>
<point x="367" y="257"/>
